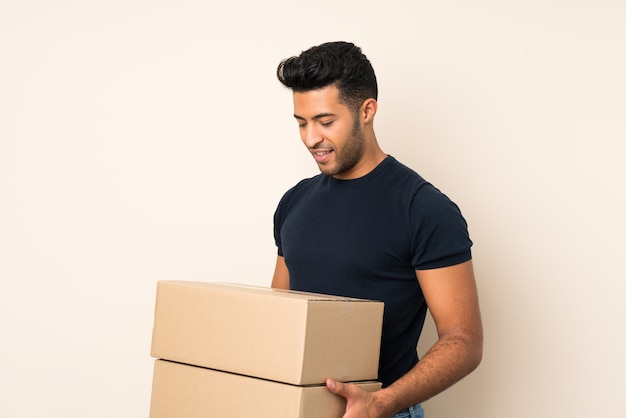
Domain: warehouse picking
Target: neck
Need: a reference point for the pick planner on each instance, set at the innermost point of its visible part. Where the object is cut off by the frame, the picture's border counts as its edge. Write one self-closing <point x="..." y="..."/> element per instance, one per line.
<point x="372" y="156"/>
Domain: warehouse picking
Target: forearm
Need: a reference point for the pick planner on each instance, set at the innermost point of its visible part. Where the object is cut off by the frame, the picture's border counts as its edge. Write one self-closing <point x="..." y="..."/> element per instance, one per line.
<point x="280" y="280"/>
<point x="451" y="358"/>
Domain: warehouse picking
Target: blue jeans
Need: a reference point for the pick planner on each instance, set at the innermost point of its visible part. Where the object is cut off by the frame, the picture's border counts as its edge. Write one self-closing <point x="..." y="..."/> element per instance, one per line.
<point x="413" y="412"/>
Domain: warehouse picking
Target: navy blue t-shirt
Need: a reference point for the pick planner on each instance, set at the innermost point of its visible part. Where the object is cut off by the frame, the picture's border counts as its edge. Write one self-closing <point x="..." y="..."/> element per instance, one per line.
<point x="365" y="238"/>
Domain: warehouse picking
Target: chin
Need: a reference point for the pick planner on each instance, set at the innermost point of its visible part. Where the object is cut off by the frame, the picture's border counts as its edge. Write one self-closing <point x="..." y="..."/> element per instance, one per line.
<point x="329" y="171"/>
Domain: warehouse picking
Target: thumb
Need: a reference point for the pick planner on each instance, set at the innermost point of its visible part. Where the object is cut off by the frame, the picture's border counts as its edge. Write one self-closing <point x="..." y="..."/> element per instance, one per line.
<point x="336" y="387"/>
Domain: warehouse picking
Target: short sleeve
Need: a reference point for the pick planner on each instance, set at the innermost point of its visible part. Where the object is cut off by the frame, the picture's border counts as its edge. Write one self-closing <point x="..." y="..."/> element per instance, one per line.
<point x="440" y="237"/>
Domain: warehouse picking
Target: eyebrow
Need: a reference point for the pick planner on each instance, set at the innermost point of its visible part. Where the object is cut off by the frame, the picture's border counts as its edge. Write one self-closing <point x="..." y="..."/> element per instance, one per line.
<point x="318" y="116"/>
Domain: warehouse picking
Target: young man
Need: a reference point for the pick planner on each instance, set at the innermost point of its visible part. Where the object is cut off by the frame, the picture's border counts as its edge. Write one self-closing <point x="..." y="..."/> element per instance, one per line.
<point x="369" y="227"/>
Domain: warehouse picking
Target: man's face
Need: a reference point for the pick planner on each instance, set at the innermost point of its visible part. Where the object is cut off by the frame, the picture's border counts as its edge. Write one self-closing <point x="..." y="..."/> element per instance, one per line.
<point x="330" y="131"/>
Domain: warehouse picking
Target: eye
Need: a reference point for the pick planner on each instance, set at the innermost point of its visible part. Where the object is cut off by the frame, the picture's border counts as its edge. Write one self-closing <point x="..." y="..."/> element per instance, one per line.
<point x="327" y="123"/>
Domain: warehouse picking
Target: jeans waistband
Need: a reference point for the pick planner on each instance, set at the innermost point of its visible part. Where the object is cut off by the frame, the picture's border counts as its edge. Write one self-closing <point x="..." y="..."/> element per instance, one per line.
<point x="415" y="411"/>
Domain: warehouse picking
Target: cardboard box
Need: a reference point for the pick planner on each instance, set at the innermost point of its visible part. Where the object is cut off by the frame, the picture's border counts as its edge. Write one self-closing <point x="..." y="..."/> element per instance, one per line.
<point x="292" y="337"/>
<point x="183" y="391"/>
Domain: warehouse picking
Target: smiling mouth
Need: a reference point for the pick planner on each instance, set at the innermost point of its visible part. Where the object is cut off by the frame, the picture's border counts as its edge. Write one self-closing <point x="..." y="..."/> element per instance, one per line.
<point x="322" y="156"/>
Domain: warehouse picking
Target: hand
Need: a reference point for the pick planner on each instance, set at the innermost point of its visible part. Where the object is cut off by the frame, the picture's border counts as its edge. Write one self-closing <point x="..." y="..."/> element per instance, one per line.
<point x="359" y="403"/>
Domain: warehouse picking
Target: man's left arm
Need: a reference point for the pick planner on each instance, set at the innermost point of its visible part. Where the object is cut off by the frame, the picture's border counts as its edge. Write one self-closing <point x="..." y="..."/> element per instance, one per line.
<point x="452" y="299"/>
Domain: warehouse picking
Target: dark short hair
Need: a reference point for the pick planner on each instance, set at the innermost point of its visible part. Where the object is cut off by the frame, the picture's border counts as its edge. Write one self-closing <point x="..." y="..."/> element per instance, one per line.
<point x="342" y="64"/>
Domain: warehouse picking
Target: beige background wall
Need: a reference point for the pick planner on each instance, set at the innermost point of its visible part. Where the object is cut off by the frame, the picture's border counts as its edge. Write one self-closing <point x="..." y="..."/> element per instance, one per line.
<point x="147" y="140"/>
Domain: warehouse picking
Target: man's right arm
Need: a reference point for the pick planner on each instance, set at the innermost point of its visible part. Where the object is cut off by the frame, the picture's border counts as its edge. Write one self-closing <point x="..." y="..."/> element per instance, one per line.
<point x="281" y="274"/>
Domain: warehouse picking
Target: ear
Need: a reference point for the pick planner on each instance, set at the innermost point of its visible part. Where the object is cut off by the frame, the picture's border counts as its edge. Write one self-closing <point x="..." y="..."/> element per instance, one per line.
<point x="368" y="110"/>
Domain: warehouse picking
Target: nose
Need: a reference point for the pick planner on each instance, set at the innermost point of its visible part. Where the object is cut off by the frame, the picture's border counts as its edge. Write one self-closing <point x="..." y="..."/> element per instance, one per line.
<point x="310" y="136"/>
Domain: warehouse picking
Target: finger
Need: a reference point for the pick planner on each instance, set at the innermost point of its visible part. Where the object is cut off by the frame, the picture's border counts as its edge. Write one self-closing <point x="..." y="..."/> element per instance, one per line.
<point x="342" y="389"/>
<point x="334" y="386"/>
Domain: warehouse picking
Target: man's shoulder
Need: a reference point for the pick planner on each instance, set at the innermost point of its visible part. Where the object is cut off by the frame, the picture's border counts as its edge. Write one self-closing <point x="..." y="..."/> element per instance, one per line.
<point x="401" y="174"/>
<point x="306" y="183"/>
<point x="301" y="186"/>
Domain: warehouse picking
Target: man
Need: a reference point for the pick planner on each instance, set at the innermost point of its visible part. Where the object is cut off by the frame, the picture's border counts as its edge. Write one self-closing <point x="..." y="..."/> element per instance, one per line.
<point x="369" y="227"/>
